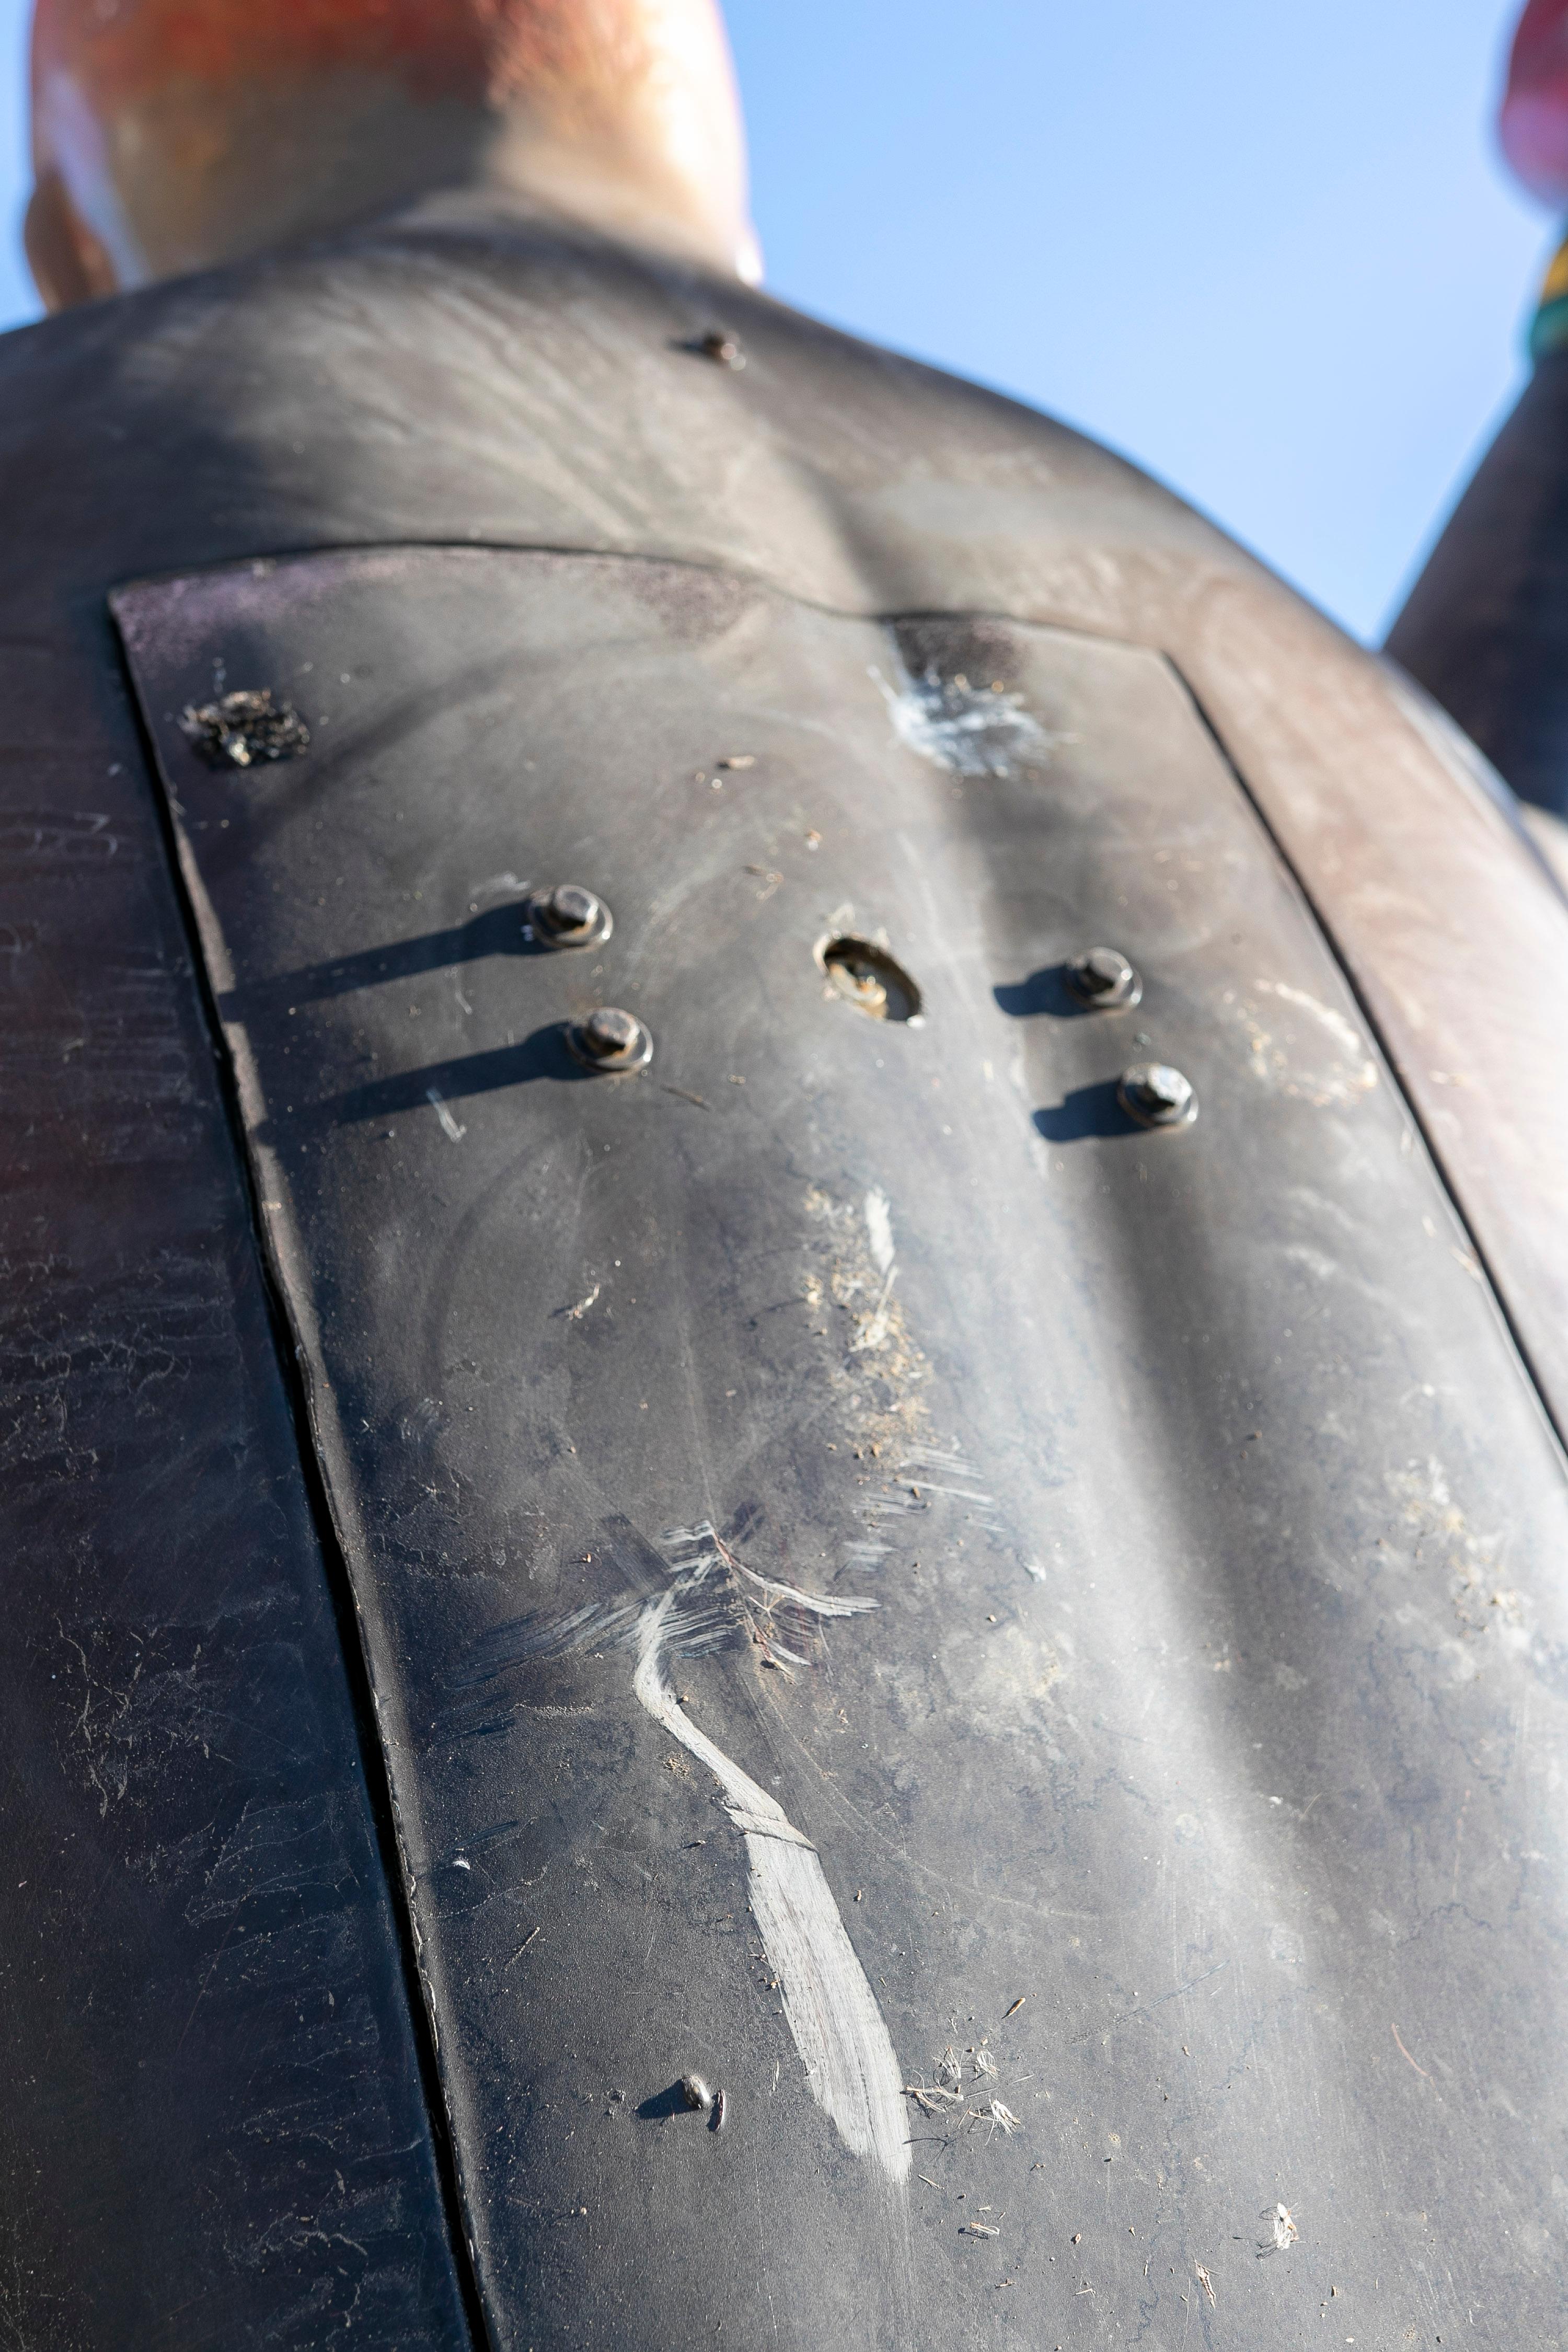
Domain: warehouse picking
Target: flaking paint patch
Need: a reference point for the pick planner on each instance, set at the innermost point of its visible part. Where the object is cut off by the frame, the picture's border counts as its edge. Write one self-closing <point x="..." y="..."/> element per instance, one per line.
<point x="715" y="1602"/>
<point x="829" y="2006"/>
<point x="970" y="730"/>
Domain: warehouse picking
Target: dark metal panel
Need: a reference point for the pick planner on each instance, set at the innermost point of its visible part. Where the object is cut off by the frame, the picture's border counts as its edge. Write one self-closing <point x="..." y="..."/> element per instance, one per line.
<point x="468" y="372"/>
<point x="1194" y="1766"/>
<point x="214" y="2129"/>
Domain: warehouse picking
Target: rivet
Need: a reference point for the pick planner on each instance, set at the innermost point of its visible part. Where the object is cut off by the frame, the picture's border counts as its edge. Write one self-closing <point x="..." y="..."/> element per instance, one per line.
<point x="1157" y="1096"/>
<point x="1103" y="980"/>
<point x="696" y="2092"/>
<point x="725" y="349"/>
<point x="569" y="917"/>
<point x="611" y="1040"/>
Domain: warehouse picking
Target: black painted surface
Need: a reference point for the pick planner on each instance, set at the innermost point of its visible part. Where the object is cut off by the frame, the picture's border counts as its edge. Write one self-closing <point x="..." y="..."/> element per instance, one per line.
<point x="1485" y="628"/>
<point x="470" y="376"/>
<point x="214" y="2130"/>
<point x="1213" y="1702"/>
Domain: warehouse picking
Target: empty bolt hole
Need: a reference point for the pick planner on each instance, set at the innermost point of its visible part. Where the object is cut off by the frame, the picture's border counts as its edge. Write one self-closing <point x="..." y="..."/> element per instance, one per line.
<point x="867" y="975"/>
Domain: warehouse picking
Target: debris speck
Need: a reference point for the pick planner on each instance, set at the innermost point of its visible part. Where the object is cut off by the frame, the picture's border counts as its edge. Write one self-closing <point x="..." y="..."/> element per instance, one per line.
<point x="738" y="760"/>
<point x="1282" y="2230"/>
<point x="1017" y="2005"/>
<point x="1003" y="2117"/>
<point x="575" y="1314"/>
<point x="979" y="2230"/>
<point x="984" y="2063"/>
<point x="1205" y="2282"/>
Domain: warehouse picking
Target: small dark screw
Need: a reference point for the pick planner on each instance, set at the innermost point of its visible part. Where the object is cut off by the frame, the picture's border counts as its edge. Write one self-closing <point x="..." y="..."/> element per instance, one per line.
<point x="717" y="345"/>
<point x="696" y="2092"/>
<point x="569" y="917"/>
<point x="610" y="1039"/>
<point x="1104" y="981"/>
<point x="1157" y="1096"/>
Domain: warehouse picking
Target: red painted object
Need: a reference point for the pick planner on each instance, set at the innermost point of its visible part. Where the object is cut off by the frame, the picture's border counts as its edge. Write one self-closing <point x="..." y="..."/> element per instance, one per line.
<point x="1534" y="121"/>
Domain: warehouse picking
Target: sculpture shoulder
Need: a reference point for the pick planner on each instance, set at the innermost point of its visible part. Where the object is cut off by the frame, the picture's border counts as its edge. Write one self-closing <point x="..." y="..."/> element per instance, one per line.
<point x="557" y="390"/>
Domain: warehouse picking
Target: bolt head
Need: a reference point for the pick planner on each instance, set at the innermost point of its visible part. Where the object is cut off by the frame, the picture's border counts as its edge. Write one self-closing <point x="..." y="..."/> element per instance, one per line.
<point x="609" y="1039"/>
<point x="570" y="908"/>
<point x="609" y="1031"/>
<point x="1157" y="1096"/>
<point x="569" y="917"/>
<point x="1103" y="979"/>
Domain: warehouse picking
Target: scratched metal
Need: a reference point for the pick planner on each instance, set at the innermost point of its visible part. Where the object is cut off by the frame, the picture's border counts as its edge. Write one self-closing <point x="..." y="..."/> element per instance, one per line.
<point x="1212" y="1704"/>
<point x="214" y="2131"/>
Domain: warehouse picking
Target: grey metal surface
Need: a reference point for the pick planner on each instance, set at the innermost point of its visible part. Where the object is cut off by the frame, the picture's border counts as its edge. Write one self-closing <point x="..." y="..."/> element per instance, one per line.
<point x="468" y="373"/>
<point x="1210" y="1705"/>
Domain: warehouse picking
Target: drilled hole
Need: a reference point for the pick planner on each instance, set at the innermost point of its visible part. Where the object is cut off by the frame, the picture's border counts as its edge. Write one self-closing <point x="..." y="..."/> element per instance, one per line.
<point x="868" y="976"/>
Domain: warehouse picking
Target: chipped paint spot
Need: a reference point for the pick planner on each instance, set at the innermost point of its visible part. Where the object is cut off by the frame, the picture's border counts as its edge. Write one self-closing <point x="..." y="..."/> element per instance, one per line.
<point x="970" y="730"/>
<point x="828" y="2003"/>
<point x="715" y="1602"/>
<point x="879" y="1231"/>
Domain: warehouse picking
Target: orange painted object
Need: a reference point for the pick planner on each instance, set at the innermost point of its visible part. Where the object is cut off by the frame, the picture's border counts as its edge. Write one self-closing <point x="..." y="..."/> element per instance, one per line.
<point x="476" y="49"/>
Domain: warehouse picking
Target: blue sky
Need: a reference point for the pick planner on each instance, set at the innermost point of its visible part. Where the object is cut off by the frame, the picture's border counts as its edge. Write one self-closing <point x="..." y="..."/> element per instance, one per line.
<point x="1268" y="253"/>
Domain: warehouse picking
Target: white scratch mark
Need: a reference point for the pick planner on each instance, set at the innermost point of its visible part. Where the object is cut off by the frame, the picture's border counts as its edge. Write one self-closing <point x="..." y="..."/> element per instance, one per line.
<point x="879" y="1231"/>
<point x="449" y="1127"/>
<point x="970" y="730"/>
<point x="873" y="1332"/>
<point x="830" y="2008"/>
<point x="1363" y="1075"/>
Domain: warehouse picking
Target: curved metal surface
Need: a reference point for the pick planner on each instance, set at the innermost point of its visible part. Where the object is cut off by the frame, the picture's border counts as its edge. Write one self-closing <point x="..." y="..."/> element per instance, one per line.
<point x="468" y="376"/>
<point x="997" y="1638"/>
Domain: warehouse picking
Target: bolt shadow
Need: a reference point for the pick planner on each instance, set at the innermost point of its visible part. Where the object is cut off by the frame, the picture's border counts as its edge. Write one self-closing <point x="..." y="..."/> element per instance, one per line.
<point x="1087" y="1111"/>
<point x="499" y="930"/>
<point x="665" y="2103"/>
<point x="1045" y="990"/>
<point x="545" y="1055"/>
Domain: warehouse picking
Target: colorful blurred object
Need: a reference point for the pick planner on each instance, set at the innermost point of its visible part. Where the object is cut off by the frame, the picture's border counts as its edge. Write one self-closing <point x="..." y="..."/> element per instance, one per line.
<point x="1533" y="122"/>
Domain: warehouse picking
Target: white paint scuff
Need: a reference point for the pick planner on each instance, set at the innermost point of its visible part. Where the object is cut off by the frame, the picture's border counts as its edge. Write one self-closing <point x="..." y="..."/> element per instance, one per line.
<point x="970" y="730"/>
<point x="830" y="2008"/>
<point x="450" y="1127"/>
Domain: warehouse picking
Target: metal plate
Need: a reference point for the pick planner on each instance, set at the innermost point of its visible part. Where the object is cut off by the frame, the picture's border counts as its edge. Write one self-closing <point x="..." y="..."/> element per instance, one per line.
<point x="1206" y="1513"/>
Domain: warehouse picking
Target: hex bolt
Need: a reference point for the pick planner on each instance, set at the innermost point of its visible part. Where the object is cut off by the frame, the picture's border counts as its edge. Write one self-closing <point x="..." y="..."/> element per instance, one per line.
<point x="569" y="917"/>
<point x="1103" y="980"/>
<point x="1157" y="1096"/>
<point x="722" y="348"/>
<point x="611" y="1040"/>
<point x="696" y="2092"/>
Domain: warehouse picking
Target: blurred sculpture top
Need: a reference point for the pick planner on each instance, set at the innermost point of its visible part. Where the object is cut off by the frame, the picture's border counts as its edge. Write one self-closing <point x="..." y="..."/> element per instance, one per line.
<point x="168" y="138"/>
<point x="1484" y="626"/>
